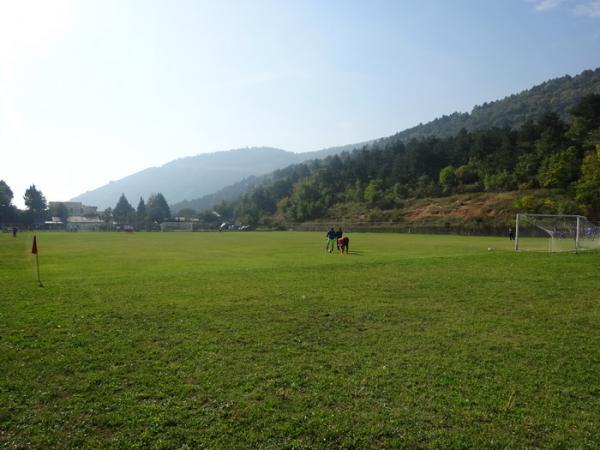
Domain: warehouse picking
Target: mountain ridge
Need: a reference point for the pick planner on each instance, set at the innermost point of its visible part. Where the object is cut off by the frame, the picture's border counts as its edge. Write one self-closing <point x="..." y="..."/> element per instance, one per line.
<point x="554" y="95"/>
<point x="187" y="182"/>
<point x="192" y="177"/>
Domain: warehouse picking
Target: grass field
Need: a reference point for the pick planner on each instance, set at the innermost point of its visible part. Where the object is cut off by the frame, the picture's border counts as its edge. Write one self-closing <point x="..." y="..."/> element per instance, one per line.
<point x="263" y="340"/>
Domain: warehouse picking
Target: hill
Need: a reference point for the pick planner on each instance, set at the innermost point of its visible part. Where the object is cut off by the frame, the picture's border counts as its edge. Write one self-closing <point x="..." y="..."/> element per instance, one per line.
<point x="227" y="193"/>
<point x="196" y="176"/>
<point x="558" y="95"/>
<point x="546" y="154"/>
<point x="190" y="177"/>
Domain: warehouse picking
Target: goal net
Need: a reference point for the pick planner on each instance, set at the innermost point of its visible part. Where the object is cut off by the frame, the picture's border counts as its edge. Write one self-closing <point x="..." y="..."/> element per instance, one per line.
<point x="555" y="233"/>
<point x="177" y="226"/>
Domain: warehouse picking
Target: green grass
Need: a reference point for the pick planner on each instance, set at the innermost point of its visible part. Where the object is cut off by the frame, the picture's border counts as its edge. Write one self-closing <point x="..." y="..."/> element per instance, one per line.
<point x="236" y="340"/>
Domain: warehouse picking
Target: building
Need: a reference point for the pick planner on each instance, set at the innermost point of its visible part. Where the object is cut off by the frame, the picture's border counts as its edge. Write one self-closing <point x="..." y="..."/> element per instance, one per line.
<point x="80" y="217"/>
<point x="82" y="223"/>
<point x="55" y="224"/>
<point x="76" y="208"/>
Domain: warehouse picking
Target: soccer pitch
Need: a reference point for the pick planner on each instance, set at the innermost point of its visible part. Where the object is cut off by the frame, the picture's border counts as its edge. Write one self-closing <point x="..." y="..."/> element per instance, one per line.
<point x="238" y="340"/>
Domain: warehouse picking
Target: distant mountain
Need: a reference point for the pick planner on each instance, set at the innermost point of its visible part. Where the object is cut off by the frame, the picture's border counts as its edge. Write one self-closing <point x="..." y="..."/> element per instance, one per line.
<point x="195" y="176"/>
<point x="227" y="193"/>
<point x="239" y="187"/>
<point x="559" y="95"/>
<point x="190" y="177"/>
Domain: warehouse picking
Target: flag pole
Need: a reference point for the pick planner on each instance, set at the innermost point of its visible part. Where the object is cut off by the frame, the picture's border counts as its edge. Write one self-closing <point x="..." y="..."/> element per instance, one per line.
<point x="34" y="250"/>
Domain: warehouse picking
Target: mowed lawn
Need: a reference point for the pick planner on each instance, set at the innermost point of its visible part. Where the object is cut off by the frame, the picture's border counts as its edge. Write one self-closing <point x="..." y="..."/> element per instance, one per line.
<point x="263" y="340"/>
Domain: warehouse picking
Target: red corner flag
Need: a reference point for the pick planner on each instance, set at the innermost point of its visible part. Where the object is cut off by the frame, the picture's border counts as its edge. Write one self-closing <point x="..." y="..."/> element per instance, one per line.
<point x="34" y="250"/>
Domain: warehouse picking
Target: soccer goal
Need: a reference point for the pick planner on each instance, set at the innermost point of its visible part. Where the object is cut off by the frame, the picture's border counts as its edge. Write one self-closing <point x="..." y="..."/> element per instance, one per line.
<point x="177" y="226"/>
<point x="555" y="233"/>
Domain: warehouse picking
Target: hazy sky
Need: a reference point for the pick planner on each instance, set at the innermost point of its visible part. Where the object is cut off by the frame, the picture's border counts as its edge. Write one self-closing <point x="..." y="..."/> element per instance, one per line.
<point x="92" y="91"/>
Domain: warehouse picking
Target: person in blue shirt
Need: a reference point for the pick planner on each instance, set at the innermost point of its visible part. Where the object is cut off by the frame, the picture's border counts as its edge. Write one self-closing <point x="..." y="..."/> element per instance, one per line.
<point x="331" y="241"/>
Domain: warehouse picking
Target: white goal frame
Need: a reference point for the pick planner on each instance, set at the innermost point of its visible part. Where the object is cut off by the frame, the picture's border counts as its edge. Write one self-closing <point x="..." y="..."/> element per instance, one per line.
<point x="177" y="226"/>
<point x="572" y="227"/>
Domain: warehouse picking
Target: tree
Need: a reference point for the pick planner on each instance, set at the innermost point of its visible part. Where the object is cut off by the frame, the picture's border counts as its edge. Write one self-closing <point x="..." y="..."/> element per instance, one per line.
<point x="208" y="216"/>
<point x="588" y="111"/>
<point x="374" y="191"/>
<point x="305" y="202"/>
<point x="249" y="213"/>
<point x="59" y="210"/>
<point x="226" y="210"/>
<point x="447" y="179"/>
<point x="187" y="213"/>
<point x="560" y="169"/>
<point x="526" y="169"/>
<point x="467" y="175"/>
<point x="6" y="195"/>
<point x="354" y="192"/>
<point x="7" y="210"/>
<point x="140" y="215"/>
<point x="157" y="208"/>
<point x="107" y="218"/>
<point x="141" y="209"/>
<point x="424" y="187"/>
<point x="36" y="206"/>
<point x="263" y="200"/>
<point x="588" y="186"/>
<point x="123" y="212"/>
<point x="498" y="182"/>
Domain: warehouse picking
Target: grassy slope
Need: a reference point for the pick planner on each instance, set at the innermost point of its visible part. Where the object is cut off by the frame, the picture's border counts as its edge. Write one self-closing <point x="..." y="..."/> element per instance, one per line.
<point x="262" y="339"/>
<point x="471" y="210"/>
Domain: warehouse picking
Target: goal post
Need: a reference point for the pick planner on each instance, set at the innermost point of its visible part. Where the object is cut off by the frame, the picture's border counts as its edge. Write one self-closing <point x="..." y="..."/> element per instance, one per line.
<point x="555" y="233"/>
<point x="517" y="233"/>
<point x="177" y="226"/>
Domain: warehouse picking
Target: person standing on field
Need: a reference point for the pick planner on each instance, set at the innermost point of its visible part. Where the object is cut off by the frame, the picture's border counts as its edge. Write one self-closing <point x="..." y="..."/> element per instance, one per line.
<point x="511" y="234"/>
<point x="338" y="235"/>
<point x="330" y="240"/>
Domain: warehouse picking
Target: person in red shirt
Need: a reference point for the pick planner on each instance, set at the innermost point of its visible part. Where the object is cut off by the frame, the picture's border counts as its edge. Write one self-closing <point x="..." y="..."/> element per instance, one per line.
<point x="343" y="244"/>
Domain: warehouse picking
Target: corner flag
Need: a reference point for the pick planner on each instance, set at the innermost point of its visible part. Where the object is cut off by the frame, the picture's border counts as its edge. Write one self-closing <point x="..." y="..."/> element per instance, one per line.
<point x="34" y="250"/>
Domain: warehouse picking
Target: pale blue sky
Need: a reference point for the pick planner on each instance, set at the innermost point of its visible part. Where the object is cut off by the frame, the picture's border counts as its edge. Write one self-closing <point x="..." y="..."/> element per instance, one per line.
<point x="91" y="91"/>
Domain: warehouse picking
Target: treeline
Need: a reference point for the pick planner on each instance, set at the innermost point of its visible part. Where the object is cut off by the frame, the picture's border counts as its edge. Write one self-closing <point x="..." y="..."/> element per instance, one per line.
<point x="546" y="153"/>
<point x="146" y="216"/>
<point x="37" y="210"/>
<point x="559" y="95"/>
<point x="36" y="207"/>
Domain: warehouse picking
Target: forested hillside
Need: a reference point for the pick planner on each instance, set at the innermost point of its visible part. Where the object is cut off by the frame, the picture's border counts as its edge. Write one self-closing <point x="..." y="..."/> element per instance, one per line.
<point x="227" y="193"/>
<point x="562" y="157"/>
<point x="559" y="95"/>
